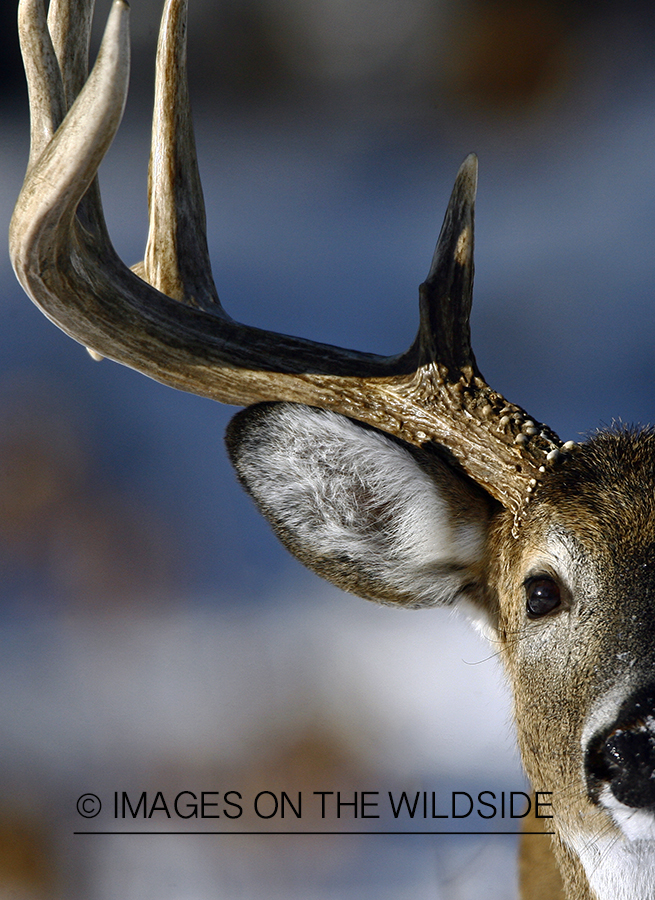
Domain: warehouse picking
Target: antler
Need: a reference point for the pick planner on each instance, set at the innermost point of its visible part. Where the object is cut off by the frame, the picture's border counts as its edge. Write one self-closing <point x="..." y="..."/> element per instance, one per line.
<point x="164" y="317"/>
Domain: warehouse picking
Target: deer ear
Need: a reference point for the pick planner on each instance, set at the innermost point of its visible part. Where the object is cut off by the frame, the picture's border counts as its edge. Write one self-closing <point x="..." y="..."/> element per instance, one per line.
<point x="363" y="510"/>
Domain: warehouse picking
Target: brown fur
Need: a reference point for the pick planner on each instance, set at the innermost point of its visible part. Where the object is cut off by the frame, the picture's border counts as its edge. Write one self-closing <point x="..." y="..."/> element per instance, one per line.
<point x="603" y="496"/>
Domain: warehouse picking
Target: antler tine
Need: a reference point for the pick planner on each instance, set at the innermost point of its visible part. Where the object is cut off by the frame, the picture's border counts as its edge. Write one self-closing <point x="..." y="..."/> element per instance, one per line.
<point x="171" y="327"/>
<point x="69" y="24"/>
<point x="44" y="83"/>
<point x="63" y="167"/>
<point x="177" y="259"/>
<point x="445" y="296"/>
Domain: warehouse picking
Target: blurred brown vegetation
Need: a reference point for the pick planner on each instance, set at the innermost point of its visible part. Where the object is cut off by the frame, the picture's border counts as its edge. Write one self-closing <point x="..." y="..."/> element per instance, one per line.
<point x="490" y="56"/>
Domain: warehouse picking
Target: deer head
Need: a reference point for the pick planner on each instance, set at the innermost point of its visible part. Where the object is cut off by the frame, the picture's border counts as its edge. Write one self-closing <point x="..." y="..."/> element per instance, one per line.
<point x="407" y="479"/>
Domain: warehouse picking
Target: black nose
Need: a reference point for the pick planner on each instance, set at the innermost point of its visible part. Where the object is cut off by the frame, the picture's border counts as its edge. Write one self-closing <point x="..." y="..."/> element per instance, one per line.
<point x="622" y="756"/>
<point x="626" y="762"/>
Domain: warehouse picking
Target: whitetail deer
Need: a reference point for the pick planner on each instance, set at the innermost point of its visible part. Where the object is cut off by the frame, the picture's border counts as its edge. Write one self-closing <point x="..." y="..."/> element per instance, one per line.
<point x="406" y="479"/>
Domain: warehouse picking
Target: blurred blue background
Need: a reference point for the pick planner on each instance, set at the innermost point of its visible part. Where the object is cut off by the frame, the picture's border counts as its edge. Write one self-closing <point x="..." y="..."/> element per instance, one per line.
<point x="153" y="635"/>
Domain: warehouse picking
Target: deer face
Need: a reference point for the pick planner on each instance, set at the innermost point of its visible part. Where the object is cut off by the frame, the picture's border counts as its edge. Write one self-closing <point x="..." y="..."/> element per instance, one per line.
<point x="577" y="627"/>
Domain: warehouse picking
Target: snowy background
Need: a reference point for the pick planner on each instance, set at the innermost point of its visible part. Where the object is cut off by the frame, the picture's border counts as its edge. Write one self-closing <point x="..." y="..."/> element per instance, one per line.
<point x="153" y="635"/>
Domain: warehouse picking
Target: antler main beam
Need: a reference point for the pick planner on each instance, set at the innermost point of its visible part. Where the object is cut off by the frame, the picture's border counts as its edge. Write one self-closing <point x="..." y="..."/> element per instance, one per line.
<point x="164" y="317"/>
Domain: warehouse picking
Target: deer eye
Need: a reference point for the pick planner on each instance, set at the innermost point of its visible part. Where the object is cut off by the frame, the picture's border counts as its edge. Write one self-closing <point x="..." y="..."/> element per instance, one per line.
<point x="542" y="596"/>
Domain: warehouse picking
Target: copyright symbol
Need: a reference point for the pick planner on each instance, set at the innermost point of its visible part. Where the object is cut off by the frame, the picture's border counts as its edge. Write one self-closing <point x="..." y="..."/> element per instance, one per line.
<point x="89" y="805"/>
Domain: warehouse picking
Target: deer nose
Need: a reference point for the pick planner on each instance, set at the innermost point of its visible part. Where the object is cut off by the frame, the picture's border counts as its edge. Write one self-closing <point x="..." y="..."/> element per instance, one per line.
<point x="622" y="758"/>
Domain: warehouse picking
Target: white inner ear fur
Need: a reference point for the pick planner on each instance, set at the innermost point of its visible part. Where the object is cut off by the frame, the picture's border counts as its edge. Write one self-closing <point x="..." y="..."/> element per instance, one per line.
<point x="351" y="492"/>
